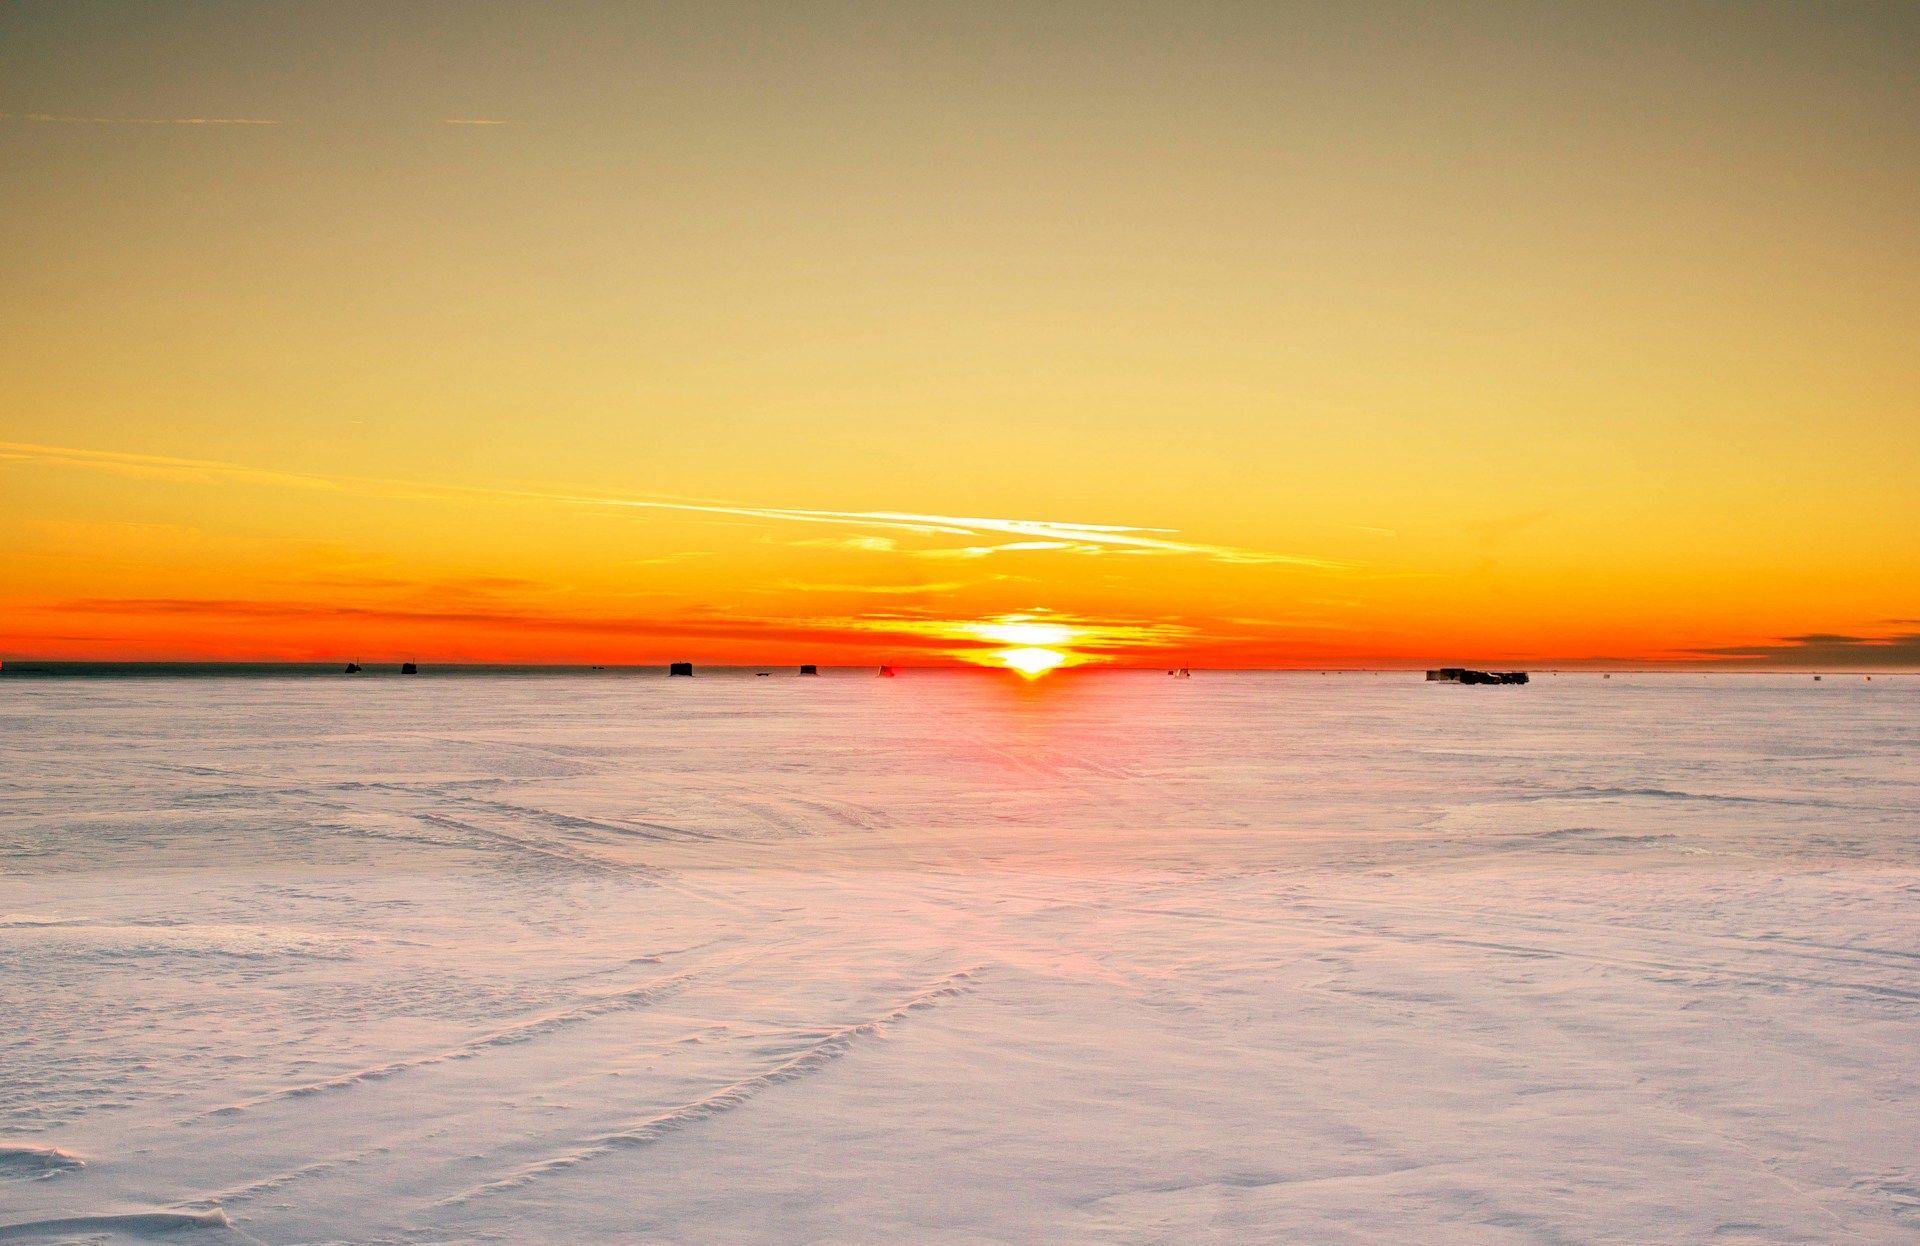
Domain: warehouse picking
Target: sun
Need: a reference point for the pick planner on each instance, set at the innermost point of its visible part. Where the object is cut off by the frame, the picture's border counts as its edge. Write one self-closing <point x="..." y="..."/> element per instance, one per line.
<point x="1032" y="642"/>
<point x="1024" y="632"/>
<point x="1032" y="661"/>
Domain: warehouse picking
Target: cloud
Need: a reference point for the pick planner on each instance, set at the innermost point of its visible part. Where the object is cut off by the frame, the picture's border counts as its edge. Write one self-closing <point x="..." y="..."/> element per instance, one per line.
<point x="1012" y="547"/>
<point x="901" y="589"/>
<point x="870" y="544"/>
<point x="62" y="119"/>
<point x="471" y="585"/>
<point x="50" y="118"/>
<point x="1032" y="534"/>
<point x="165" y="467"/>
<point x="1058" y="534"/>
<point x="1826" y="649"/>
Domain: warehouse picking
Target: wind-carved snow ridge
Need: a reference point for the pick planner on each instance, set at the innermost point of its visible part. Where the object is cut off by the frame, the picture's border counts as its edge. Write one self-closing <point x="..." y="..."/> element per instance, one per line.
<point x="632" y="997"/>
<point x="137" y="1224"/>
<point x="24" y="1159"/>
<point x="816" y="1056"/>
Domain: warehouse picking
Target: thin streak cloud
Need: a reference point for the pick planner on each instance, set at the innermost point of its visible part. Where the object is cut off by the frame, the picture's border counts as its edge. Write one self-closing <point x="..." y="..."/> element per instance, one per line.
<point x="1039" y="533"/>
<point x="1034" y="534"/>
<point x="904" y="590"/>
<point x="64" y="119"/>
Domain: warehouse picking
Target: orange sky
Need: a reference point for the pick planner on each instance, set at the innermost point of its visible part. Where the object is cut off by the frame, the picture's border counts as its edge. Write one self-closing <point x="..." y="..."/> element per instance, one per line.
<point x="1226" y="334"/>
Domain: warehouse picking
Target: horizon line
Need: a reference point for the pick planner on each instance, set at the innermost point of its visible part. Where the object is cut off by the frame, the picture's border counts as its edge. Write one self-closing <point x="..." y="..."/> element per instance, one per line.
<point x="47" y="666"/>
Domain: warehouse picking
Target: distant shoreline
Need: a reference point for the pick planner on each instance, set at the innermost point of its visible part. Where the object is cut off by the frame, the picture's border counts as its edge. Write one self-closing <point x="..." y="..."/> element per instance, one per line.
<point x="37" y="668"/>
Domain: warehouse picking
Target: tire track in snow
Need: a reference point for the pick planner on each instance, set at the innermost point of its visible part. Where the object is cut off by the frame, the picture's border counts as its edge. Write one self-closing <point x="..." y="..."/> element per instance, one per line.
<point x="574" y="823"/>
<point x="816" y="1056"/>
<point x="525" y="1031"/>
<point x="480" y="838"/>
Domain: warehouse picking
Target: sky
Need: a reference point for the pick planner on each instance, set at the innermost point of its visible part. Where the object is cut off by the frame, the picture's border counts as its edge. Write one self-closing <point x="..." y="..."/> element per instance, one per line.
<point x="1207" y="334"/>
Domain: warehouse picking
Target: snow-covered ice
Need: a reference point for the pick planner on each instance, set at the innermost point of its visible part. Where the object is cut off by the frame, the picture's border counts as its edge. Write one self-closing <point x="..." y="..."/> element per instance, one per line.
<point x="1106" y="958"/>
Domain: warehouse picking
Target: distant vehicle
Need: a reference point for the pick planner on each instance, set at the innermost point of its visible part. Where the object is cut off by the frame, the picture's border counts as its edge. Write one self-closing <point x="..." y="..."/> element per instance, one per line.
<point x="1461" y="675"/>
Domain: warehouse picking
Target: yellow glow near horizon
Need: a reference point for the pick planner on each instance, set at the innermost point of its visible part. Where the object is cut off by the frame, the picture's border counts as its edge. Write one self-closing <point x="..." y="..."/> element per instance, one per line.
<point x="1030" y="662"/>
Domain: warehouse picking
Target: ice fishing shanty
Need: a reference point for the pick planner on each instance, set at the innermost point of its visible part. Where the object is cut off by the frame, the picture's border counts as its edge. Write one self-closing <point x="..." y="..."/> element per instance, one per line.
<point x="1461" y="675"/>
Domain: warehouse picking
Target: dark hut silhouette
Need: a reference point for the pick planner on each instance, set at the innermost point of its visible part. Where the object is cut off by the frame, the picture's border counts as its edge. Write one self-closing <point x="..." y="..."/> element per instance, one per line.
<point x="353" y="668"/>
<point x="809" y="669"/>
<point x="1461" y="675"/>
<point x="408" y="668"/>
<point x="680" y="668"/>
